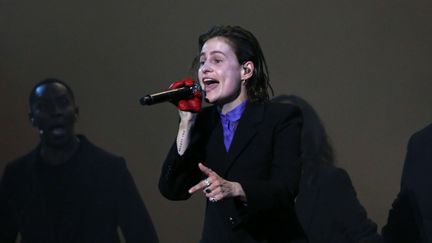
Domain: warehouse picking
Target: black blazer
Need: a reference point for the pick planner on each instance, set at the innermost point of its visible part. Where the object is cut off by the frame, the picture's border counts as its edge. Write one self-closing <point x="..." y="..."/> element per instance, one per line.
<point x="328" y="208"/>
<point x="411" y="215"/>
<point x="263" y="158"/>
<point x="97" y="195"/>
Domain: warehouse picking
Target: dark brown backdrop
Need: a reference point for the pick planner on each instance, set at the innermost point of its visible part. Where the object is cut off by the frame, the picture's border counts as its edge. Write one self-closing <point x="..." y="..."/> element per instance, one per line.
<point x="365" y="65"/>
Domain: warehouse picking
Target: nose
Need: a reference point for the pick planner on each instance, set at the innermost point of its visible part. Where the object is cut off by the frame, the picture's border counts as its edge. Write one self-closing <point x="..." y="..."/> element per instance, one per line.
<point x="57" y="110"/>
<point x="205" y="68"/>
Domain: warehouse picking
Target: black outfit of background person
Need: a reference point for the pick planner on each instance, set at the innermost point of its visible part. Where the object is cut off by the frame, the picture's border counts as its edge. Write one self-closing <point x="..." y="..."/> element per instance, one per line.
<point x="83" y="200"/>
<point x="263" y="158"/>
<point x="410" y="219"/>
<point x="327" y="205"/>
<point x="67" y="190"/>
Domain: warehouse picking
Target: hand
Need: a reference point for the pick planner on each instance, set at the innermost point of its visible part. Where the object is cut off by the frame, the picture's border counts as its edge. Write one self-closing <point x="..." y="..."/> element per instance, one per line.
<point x="192" y="104"/>
<point x="216" y="188"/>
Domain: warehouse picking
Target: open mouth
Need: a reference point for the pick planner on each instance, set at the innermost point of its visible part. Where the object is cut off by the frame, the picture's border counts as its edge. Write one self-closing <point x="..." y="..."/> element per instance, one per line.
<point x="58" y="130"/>
<point x="210" y="84"/>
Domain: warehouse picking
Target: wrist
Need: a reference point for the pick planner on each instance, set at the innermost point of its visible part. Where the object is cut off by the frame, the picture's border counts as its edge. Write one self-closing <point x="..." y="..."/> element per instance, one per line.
<point x="183" y="134"/>
<point x="187" y="118"/>
<point x="238" y="191"/>
<point x="186" y="124"/>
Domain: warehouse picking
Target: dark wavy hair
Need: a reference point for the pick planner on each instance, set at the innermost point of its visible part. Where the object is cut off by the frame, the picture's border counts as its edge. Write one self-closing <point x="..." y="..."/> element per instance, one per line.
<point x="32" y="95"/>
<point x="246" y="48"/>
<point x="316" y="148"/>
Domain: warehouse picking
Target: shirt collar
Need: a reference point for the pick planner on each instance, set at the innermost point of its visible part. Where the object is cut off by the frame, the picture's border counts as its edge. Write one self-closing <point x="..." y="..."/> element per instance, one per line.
<point x="234" y="114"/>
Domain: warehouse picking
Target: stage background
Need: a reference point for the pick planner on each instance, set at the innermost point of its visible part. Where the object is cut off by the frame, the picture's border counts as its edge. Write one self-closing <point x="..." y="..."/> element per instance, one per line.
<point x="364" y="65"/>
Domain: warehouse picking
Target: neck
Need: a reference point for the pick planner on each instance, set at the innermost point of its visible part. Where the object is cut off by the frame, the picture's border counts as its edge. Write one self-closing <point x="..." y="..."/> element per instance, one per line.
<point x="59" y="155"/>
<point x="225" y="108"/>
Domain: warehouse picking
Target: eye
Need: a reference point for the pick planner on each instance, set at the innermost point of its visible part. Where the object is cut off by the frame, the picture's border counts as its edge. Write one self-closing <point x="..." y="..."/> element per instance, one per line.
<point x="216" y="59"/>
<point x="201" y="61"/>
<point x="63" y="101"/>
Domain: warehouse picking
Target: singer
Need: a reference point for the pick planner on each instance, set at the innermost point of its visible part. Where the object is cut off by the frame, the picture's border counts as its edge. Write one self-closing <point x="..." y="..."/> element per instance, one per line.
<point x="243" y="152"/>
<point x="67" y="189"/>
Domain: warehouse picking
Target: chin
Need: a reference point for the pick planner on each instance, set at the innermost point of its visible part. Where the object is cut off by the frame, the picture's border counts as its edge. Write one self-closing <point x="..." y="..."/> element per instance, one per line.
<point x="210" y="100"/>
<point x="58" y="142"/>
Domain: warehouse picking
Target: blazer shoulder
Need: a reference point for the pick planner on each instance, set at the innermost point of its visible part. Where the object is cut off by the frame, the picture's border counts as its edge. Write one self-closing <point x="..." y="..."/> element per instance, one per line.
<point x="18" y="171"/>
<point x="325" y="177"/>
<point x="423" y="136"/>
<point x="283" y="111"/>
<point x="335" y="182"/>
<point x="20" y="163"/>
<point x="330" y="175"/>
<point x="284" y="108"/>
<point x="99" y="156"/>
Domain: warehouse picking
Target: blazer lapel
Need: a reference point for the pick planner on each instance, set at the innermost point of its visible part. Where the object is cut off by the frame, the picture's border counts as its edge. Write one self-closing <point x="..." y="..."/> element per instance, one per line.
<point x="216" y="149"/>
<point x="246" y="130"/>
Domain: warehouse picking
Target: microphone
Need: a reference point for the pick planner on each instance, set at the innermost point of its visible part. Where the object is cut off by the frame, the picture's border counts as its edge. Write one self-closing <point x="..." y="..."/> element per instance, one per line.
<point x="171" y="95"/>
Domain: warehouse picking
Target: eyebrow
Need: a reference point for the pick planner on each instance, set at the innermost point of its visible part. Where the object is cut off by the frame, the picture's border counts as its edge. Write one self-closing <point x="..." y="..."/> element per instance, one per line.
<point x="213" y="52"/>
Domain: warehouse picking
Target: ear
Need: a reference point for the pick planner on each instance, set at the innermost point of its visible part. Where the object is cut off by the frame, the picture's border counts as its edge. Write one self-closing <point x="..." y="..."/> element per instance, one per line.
<point x="247" y="70"/>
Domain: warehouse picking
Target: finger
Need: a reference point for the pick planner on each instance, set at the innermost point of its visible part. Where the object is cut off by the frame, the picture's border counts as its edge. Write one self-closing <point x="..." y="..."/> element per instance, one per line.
<point x="207" y="190"/>
<point x="195" y="188"/>
<point x="188" y="82"/>
<point x="183" y="105"/>
<point x="214" y="192"/>
<point x="219" y="192"/>
<point x="213" y="186"/>
<point x="215" y="198"/>
<point x="204" y="169"/>
<point x="199" y="186"/>
<point x="176" y="85"/>
<point x="218" y="197"/>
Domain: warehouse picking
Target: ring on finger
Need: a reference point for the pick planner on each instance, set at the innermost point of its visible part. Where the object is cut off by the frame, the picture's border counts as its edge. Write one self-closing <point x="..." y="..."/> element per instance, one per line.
<point x="207" y="190"/>
<point x="212" y="199"/>
<point x="207" y="182"/>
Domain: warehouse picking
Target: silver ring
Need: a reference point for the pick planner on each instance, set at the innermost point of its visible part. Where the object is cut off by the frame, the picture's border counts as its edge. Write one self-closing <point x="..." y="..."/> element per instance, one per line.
<point x="212" y="199"/>
<point x="207" y="182"/>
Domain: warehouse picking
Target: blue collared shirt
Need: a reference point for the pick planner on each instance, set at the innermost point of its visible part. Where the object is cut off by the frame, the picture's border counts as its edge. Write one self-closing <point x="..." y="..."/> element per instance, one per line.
<point x="230" y="121"/>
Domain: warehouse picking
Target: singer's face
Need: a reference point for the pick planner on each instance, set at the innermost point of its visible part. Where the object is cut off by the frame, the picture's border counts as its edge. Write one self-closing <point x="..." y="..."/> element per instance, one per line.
<point x="220" y="73"/>
<point x="54" y="113"/>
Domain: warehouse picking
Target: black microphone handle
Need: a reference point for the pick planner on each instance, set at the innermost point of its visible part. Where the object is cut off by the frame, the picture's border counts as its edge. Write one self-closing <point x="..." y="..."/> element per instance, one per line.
<point x="168" y="95"/>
